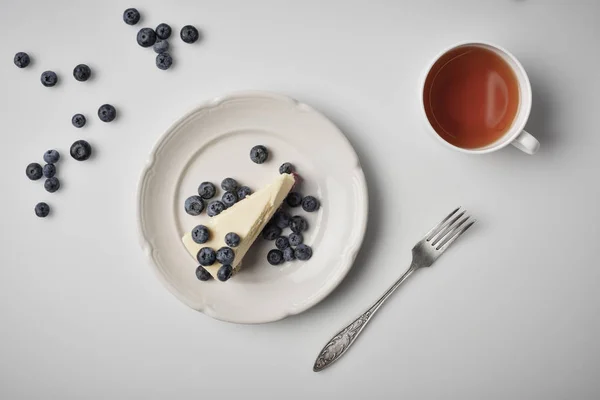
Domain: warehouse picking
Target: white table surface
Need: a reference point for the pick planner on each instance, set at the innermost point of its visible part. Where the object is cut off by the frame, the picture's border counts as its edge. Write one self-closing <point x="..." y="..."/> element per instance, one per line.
<point x="512" y="311"/>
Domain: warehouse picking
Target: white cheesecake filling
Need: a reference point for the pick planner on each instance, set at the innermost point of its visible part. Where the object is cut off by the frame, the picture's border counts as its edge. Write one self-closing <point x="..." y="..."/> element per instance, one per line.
<point x="247" y="218"/>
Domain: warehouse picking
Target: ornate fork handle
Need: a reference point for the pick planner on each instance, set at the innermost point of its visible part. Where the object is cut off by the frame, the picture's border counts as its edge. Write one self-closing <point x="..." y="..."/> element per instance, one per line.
<point x="342" y="341"/>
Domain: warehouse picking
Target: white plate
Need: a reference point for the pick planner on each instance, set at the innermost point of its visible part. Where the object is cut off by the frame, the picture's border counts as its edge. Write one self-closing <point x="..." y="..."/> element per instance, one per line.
<point x="213" y="142"/>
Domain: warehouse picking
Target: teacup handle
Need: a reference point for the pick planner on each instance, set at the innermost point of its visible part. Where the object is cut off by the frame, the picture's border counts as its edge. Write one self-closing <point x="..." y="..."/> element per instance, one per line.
<point x="526" y="142"/>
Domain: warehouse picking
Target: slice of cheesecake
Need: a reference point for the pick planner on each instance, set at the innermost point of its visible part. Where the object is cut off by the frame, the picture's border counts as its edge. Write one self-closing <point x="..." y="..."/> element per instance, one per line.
<point x="247" y="218"/>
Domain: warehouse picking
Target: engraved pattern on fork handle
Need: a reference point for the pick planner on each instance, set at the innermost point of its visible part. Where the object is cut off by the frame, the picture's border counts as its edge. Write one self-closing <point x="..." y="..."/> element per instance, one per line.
<point x="342" y="341"/>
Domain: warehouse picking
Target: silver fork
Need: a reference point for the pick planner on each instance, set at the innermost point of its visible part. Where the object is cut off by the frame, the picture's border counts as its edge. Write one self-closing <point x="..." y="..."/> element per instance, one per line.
<point x="424" y="254"/>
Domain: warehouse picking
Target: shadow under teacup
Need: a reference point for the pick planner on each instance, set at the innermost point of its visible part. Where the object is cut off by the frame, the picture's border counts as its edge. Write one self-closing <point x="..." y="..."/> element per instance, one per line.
<point x="476" y="98"/>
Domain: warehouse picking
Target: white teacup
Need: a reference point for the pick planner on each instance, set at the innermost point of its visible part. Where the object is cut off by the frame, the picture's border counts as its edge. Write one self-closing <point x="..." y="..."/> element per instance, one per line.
<point x="515" y="135"/>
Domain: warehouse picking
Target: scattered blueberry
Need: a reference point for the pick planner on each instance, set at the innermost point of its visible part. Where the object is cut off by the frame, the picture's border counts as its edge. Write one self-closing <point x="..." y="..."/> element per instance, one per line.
<point x="107" y="113"/>
<point x="194" y="205"/>
<point x="259" y="154"/>
<point x="298" y="224"/>
<point x="229" y="184"/>
<point x="282" y="219"/>
<point x="207" y="190"/>
<point x="34" y="171"/>
<point x="294" y="199"/>
<point x="282" y="243"/>
<point x="81" y="150"/>
<point x="224" y="273"/>
<point x="303" y="252"/>
<point x="296" y="239"/>
<point x="51" y="156"/>
<point x="286" y="168"/>
<point x="164" y="61"/>
<point x="163" y="31"/>
<point x="206" y="256"/>
<point x="271" y="232"/>
<point x="52" y="184"/>
<point x="289" y="254"/>
<point x="243" y="192"/>
<point x="161" y="46"/>
<point x="49" y="78"/>
<point x="202" y="273"/>
<point x="275" y="257"/>
<point x="21" y="59"/>
<point x="189" y="34"/>
<point x="42" y="210"/>
<point x="131" y="16"/>
<point x="229" y="199"/>
<point x="78" y="120"/>
<point x="82" y="72"/>
<point x="225" y="255"/>
<point x="49" y="170"/>
<point x="215" y="208"/>
<point x="232" y="239"/>
<point x="146" y="37"/>
<point x="200" y="234"/>
<point x="310" y="204"/>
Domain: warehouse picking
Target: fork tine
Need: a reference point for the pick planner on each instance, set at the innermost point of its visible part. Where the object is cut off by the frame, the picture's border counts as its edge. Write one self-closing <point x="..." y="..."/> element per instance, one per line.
<point x="439" y="226"/>
<point x="451" y="225"/>
<point x="453" y="236"/>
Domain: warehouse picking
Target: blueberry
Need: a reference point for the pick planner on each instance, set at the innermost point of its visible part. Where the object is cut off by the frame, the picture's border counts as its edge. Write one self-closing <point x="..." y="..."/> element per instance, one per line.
<point x="42" y="210"/>
<point x="52" y="184"/>
<point x="131" y="16"/>
<point x="229" y="184"/>
<point x="296" y="239"/>
<point x="78" y="120"/>
<point x="293" y="199"/>
<point x="282" y="243"/>
<point x="215" y="208"/>
<point x="34" y="171"/>
<point x="289" y="254"/>
<point x="49" y="78"/>
<point x="275" y="257"/>
<point x="225" y="255"/>
<point x="82" y="72"/>
<point x="298" y="224"/>
<point x="207" y="190"/>
<point x="310" y="204"/>
<point x="81" y="150"/>
<point x="163" y="31"/>
<point x="51" y="156"/>
<point x="229" y="199"/>
<point x="303" y="252"/>
<point x="224" y="273"/>
<point x="206" y="256"/>
<point x="189" y="34"/>
<point x="282" y="219"/>
<point x="232" y="239"/>
<point x="146" y="37"/>
<point x="243" y="192"/>
<point x="286" y="168"/>
<point x="271" y="232"/>
<point x="21" y="59"/>
<point x="202" y="273"/>
<point x="200" y="234"/>
<point x="164" y="61"/>
<point x="161" y="46"/>
<point x="49" y="170"/>
<point x="194" y="205"/>
<point x="107" y="113"/>
<point x="259" y="154"/>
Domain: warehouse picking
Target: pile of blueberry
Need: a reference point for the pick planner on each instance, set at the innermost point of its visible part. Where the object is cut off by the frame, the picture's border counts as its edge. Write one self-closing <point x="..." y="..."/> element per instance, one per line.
<point x="35" y="171"/>
<point x="207" y="256"/>
<point x="291" y="247"/>
<point x="194" y="205"/>
<point x="158" y="38"/>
